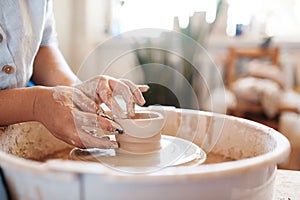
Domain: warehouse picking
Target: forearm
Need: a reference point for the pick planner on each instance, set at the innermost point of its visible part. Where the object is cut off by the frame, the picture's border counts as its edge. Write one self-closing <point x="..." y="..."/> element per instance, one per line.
<point x="51" y="69"/>
<point x="16" y="105"/>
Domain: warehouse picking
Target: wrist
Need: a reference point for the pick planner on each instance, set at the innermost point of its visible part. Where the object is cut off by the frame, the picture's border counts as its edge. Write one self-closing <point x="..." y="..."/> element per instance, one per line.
<point x="17" y="105"/>
<point x="39" y="94"/>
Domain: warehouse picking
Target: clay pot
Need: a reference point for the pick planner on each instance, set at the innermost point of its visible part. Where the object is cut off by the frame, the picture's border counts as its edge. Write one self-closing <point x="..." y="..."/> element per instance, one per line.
<point x="142" y="132"/>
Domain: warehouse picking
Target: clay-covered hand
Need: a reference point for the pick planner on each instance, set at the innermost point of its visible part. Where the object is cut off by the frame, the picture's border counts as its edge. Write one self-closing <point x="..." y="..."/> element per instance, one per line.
<point x="71" y="116"/>
<point x="103" y="89"/>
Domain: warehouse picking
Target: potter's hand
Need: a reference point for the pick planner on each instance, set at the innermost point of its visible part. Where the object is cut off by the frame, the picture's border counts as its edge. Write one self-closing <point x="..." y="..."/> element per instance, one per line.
<point x="102" y="89"/>
<point x="70" y="116"/>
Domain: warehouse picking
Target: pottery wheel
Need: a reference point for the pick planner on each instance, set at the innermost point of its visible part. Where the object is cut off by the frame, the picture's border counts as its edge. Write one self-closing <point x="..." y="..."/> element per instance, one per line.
<point x="174" y="151"/>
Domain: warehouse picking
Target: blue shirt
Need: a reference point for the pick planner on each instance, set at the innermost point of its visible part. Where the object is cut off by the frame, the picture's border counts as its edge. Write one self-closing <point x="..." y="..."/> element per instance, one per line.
<point x="25" y="25"/>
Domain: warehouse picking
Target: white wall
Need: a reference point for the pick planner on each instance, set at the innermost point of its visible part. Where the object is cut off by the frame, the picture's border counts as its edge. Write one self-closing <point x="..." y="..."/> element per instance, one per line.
<point x="80" y="26"/>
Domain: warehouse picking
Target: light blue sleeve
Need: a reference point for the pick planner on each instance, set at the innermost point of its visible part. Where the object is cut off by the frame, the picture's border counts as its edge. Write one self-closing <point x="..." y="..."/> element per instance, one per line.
<point x="49" y="33"/>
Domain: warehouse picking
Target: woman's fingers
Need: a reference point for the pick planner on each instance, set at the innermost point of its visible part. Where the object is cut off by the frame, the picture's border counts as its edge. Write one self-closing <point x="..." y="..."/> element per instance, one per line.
<point x="91" y="130"/>
<point x="55" y="108"/>
<point x="143" y="88"/>
<point x="85" y="111"/>
<point x="105" y="94"/>
<point x="84" y="103"/>
<point x="89" y="141"/>
<point x="103" y="89"/>
<point x="135" y="90"/>
<point x="128" y="91"/>
<point x="120" y="88"/>
<point x="96" y="123"/>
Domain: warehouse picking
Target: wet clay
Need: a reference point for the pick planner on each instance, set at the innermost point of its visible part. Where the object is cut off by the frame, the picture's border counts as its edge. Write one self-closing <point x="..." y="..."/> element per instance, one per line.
<point x="142" y="132"/>
<point x="132" y="144"/>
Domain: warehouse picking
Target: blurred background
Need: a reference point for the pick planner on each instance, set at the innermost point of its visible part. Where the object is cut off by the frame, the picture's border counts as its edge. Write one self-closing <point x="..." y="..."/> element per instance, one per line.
<point x="81" y="25"/>
<point x="249" y="65"/>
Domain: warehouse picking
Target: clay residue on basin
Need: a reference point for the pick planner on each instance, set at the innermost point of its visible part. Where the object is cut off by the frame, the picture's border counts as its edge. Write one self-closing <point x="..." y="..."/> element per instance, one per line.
<point x="26" y="141"/>
<point x="213" y="158"/>
<point x="63" y="154"/>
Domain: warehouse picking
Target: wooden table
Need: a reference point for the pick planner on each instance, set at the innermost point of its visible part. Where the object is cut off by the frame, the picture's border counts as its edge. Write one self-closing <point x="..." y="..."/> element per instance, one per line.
<point x="287" y="185"/>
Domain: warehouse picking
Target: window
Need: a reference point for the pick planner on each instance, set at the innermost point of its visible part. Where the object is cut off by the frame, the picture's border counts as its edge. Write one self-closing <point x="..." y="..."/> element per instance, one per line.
<point x="267" y="17"/>
<point x="136" y="14"/>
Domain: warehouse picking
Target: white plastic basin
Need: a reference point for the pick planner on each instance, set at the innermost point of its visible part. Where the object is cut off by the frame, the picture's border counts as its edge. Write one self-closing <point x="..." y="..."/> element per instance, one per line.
<point x="255" y="149"/>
